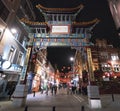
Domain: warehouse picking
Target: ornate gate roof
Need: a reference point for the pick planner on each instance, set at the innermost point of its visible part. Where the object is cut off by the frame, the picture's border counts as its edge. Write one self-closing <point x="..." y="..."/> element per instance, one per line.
<point x="60" y="28"/>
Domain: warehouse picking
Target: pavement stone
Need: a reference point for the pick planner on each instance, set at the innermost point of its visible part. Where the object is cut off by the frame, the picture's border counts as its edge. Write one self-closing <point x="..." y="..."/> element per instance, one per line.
<point x="8" y="106"/>
<point x="107" y="104"/>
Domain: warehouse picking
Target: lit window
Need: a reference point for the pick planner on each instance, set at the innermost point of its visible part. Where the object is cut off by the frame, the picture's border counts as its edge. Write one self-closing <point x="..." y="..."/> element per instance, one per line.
<point x="106" y="67"/>
<point x="114" y="57"/>
<point x="24" y="43"/>
<point x="11" y="54"/>
<point x="116" y="68"/>
<point x="20" y="58"/>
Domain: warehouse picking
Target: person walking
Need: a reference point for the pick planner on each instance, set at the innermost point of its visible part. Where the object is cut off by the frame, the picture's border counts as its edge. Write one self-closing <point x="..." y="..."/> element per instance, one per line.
<point x="52" y="89"/>
<point x="55" y="89"/>
<point x="47" y="89"/>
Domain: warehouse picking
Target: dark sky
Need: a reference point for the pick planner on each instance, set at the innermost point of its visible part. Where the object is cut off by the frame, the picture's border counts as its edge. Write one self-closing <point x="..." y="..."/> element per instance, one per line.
<point x="60" y="56"/>
<point x="92" y="9"/>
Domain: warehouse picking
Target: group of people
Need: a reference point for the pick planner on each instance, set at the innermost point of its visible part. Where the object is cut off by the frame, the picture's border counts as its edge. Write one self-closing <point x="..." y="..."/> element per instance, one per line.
<point x="72" y="89"/>
<point x="69" y="89"/>
<point x="52" y="88"/>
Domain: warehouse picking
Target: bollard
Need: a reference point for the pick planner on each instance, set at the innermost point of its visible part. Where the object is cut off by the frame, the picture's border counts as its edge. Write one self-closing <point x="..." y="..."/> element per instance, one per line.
<point x="82" y="108"/>
<point x="53" y="108"/>
<point x="33" y="93"/>
<point x="26" y="108"/>
<point x="112" y="97"/>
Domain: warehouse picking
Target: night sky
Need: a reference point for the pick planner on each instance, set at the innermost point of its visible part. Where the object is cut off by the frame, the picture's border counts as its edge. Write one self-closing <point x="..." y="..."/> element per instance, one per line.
<point x="92" y="9"/>
<point x="60" y="56"/>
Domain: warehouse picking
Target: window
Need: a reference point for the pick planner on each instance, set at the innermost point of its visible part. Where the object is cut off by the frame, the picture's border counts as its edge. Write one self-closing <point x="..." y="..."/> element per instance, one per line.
<point x="116" y="68"/>
<point x="106" y="67"/>
<point x="16" y="33"/>
<point x="59" y="18"/>
<point x="104" y="55"/>
<point x="63" y="17"/>
<point x="67" y="18"/>
<point x="11" y="54"/>
<point x="55" y="18"/>
<point x="24" y="43"/>
<point x="114" y="57"/>
<point x="20" y="58"/>
<point x="43" y="30"/>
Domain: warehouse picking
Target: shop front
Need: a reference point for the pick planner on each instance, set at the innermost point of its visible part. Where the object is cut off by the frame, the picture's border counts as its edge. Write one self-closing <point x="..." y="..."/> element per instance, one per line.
<point x="8" y="82"/>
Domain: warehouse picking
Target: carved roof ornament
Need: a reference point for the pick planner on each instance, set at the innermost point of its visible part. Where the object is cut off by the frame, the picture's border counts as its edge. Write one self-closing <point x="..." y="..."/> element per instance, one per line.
<point x="59" y="9"/>
<point x="74" y="10"/>
<point x="86" y="23"/>
<point x="73" y="23"/>
<point x="26" y="21"/>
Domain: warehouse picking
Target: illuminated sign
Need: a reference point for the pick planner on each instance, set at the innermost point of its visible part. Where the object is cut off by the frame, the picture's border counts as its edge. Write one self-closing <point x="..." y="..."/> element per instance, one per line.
<point x="60" y="29"/>
<point x="6" y="64"/>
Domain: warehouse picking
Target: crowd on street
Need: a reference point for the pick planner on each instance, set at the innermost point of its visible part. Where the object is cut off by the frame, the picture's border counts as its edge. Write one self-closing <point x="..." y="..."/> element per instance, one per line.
<point x="69" y="89"/>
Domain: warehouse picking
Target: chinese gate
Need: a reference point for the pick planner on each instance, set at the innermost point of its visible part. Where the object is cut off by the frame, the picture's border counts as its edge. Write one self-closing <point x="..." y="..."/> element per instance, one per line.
<point x="61" y="29"/>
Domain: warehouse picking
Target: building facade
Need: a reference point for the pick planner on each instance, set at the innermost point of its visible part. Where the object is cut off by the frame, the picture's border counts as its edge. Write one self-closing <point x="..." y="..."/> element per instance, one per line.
<point x="106" y="58"/>
<point x="40" y="73"/>
<point x="13" y="43"/>
<point x="105" y="65"/>
<point x="61" y="29"/>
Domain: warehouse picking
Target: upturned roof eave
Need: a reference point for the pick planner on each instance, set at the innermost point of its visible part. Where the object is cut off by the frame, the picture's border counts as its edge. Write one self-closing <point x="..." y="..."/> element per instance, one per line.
<point x="59" y="10"/>
<point x="74" y="24"/>
<point x="85" y="24"/>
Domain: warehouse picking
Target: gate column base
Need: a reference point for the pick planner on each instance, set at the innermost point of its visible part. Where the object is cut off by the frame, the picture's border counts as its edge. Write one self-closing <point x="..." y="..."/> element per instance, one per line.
<point x="19" y="96"/>
<point x="93" y="97"/>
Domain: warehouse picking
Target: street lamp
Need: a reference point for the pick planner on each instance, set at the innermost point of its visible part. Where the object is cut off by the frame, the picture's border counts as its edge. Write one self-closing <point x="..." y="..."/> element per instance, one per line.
<point x="13" y="30"/>
<point x="71" y="59"/>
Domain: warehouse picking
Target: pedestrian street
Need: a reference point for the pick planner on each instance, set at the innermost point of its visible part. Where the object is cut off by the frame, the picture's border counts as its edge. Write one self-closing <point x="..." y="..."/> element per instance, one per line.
<point x="61" y="101"/>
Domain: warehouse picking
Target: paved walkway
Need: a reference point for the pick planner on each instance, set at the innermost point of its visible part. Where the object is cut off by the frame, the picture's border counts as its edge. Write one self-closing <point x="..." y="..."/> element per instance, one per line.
<point x="108" y="104"/>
